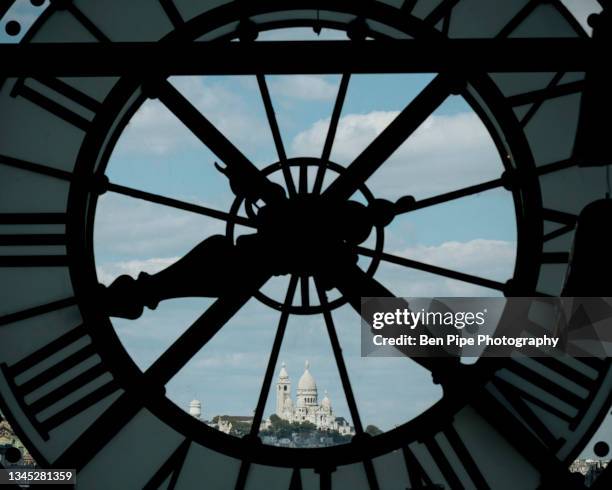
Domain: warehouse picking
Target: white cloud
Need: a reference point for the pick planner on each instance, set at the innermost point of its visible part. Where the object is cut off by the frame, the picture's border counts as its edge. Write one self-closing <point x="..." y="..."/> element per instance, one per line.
<point x="490" y="259"/>
<point x="135" y="229"/>
<point x="109" y="271"/>
<point x="154" y="130"/>
<point x="492" y="256"/>
<point x="232" y="360"/>
<point x="445" y="153"/>
<point x="306" y="87"/>
<point x="302" y="34"/>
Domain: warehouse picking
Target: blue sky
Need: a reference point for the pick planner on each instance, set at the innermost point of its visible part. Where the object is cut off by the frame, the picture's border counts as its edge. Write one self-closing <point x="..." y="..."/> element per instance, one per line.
<point x="158" y="154"/>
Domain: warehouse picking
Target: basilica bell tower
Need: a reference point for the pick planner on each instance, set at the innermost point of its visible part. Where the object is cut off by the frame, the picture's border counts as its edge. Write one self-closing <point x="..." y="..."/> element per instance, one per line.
<point x="283" y="392"/>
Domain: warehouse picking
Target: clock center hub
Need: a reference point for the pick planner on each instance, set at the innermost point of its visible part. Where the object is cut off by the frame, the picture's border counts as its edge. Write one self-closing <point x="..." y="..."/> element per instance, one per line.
<point x="307" y="234"/>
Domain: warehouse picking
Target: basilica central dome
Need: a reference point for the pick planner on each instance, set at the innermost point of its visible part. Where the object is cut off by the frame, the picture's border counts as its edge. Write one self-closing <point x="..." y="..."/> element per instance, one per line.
<point x="307" y="407"/>
<point x="307" y="382"/>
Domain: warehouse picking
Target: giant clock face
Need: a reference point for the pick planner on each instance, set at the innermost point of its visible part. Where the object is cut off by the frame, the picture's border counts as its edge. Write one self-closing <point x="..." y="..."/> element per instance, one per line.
<point x="78" y="400"/>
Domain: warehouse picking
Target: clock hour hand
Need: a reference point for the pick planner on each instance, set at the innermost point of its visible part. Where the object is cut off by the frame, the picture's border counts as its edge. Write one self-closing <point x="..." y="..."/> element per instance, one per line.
<point x="209" y="270"/>
<point x="243" y="187"/>
<point x="392" y="137"/>
<point x="241" y="167"/>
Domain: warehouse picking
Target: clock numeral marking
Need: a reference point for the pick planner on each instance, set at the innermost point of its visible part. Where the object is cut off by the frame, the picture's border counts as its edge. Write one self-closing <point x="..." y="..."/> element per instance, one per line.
<point x="33" y="218"/>
<point x="408" y="5"/>
<point x="35" y="167"/>
<point x="538" y="97"/>
<point x="33" y="240"/>
<point x="519" y="18"/>
<point x="171" y="468"/>
<point x="419" y="477"/>
<point x="34" y="261"/>
<point x="296" y="480"/>
<point x="37" y="310"/>
<point x="172" y="12"/>
<point x="526" y="382"/>
<point x="566" y="219"/>
<point x="466" y="458"/>
<point x="51" y="94"/>
<point x="516" y="397"/>
<point x="325" y="478"/>
<point x="551" y="91"/>
<point x="595" y="363"/>
<point x="42" y="371"/>
<point x="442" y="13"/>
<point x="22" y="247"/>
<point x="85" y="21"/>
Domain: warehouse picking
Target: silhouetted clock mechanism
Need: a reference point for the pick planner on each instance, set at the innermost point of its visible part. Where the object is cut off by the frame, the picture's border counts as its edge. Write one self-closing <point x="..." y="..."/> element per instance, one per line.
<point x="76" y="398"/>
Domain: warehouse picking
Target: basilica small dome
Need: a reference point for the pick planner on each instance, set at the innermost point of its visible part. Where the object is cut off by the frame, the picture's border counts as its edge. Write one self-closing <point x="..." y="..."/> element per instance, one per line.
<point x="283" y="372"/>
<point x="326" y="403"/>
<point x="195" y="408"/>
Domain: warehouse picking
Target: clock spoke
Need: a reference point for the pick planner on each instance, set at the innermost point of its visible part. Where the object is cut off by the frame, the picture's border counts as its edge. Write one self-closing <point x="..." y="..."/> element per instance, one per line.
<point x="244" y="175"/>
<point x="355" y="284"/>
<point x="433" y="269"/>
<point x="203" y="329"/>
<point x="331" y="132"/>
<point x="305" y="291"/>
<point x="387" y="142"/>
<point x="178" y="204"/>
<point x="447" y="196"/>
<point x="267" y="381"/>
<point x="278" y="340"/>
<point x="278" y="140"/>
<point x="344" y="378"/>
<point x="303" y="179"/>
<point x="171" y="468"/>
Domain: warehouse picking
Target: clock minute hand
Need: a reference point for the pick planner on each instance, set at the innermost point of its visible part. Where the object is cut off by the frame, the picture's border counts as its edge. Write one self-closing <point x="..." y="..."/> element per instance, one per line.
<point x="208" y="270"/>
<point x="239" y="167"/>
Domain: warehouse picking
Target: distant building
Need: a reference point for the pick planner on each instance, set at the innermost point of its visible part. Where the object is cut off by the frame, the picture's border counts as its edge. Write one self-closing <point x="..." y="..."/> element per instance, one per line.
<point x="225" y="423"/>
<point x="589" y="468"/>
<point x="307" y="407"/>
<point x="8" y="440"/>
<point x="195" y="409"/>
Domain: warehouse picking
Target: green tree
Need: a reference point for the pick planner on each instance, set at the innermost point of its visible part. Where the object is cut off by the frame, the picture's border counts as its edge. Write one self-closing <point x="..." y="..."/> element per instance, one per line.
<point x="373" y="430"/>
<point x="240" y="428"/>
